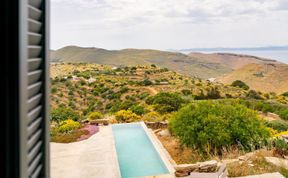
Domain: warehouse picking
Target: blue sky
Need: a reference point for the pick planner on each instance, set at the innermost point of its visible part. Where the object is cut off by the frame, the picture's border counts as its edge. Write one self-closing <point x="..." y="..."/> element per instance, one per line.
<point x="168" y="24"/>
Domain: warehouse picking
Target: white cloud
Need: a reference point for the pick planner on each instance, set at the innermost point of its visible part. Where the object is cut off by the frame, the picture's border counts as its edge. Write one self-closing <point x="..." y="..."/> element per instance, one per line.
<point x="169" y="23"/>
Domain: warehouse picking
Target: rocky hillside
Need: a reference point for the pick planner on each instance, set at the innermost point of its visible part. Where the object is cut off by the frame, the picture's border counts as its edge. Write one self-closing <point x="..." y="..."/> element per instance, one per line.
<point x="232" y="61"/>
<point x="188" y="65"/>
<point x="263" y="77"/>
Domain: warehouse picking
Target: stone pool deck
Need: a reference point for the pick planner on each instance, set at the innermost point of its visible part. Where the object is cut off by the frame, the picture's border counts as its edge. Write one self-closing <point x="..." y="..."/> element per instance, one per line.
<point x="96" y="158"/>
<point x="267" y="175"/>
<point x="91" y="158"/>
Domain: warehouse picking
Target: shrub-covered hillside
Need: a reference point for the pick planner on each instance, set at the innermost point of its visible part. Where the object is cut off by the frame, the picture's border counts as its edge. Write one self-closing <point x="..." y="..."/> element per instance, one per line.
<point x="87" y="87"/>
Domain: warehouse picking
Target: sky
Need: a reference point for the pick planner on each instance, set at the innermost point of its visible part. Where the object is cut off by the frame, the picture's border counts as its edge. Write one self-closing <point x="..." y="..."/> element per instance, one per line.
<point x="168" y="24"/>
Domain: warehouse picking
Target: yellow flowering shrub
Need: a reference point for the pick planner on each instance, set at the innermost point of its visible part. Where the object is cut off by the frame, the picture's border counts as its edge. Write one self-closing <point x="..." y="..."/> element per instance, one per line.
<point x="126" y="116"/>
<point x="68" y="125"/>
<point x="272" y="131"/>
<point x="281" y="133"/>
<point x="282" y="99"/>
<point x="94" y="116"/>
<point x="152" y="116"/>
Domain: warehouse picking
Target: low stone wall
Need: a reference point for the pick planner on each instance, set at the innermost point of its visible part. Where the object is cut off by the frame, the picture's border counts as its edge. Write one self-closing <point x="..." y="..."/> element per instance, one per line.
<point x="208" y="169"/>
<point x="157" y="125"/>
<point x="99" y="122"/>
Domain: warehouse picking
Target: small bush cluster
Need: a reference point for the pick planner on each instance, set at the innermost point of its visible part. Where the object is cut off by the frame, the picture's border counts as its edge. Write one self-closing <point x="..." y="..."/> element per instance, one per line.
<point x="68" y="125"/>
<point x="240" y="84"/>
<point x="280" y="147"/>
<point x="126" y="116"/>
<point x="285" y="94"/>
<point x="278" y="125"/>
<point x="254" y="95"/>
<point x="62" y="113"/>
<point x="145" y="82"/>
<point x="94" y="116"/>
<point x="166" y="102"/>
<point x="138" y="109"/>
<point x="284" y="114"/>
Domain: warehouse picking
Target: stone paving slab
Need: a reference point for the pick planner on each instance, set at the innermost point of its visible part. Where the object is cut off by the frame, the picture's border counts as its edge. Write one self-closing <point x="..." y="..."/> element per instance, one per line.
<point x="278" y="161"/>
<point x="268" y="175"/>
<point x="91" y="158"/>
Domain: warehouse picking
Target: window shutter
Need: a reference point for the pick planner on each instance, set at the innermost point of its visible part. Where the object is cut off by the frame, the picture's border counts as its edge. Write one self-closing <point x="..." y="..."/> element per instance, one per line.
<point x="33" y="91"/>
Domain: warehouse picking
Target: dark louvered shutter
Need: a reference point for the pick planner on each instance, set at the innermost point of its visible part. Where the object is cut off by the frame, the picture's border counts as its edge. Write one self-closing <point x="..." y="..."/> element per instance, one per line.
<point x="34" y="76"/>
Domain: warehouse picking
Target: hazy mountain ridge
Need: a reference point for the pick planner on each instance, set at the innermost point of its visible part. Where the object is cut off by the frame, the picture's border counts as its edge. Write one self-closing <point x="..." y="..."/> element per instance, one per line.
<point x="265" y="48"/>
<point x="231" y="60"/>
<point x="178" y="62"/>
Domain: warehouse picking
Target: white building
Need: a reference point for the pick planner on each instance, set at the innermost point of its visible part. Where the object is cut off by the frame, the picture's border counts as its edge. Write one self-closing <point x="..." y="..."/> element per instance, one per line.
<point x="91" y="80"/>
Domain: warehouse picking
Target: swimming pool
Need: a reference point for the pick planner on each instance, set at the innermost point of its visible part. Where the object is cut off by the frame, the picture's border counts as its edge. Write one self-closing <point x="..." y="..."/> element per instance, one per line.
<point x="136" y="154"/>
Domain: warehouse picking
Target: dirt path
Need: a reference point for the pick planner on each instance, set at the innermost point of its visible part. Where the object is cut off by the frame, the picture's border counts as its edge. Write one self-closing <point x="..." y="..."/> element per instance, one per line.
<point x="152" y="90"/>
<point x="269" y="116"/>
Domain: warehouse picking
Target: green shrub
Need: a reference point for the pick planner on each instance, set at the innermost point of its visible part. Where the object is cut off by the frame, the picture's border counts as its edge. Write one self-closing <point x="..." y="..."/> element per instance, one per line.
<point x="53" y="90"/>
<point x="152" y="117"/>
<point x="63" y="113"/>
<point x="209" y="126"/>
<point x="284" y="114"/>
<point x="143" y="95"/>
<point x="264" y="106"/>
<point x="94" y="116"/>
<point x="213" y="93"/>
<point x="166" y="102"/>
<point x="281" y="147"/>
<point x="285" y="94"/>
<point x="254" y="95"/>
<point x="123" y="90"/>
<point x="240" y="84"/>
<point x="70" y="93"/>
<point x="186" y="92"/>
<point x="139" y="110"/>
<point x="68" y="125"/>
<point x="82" y="82"/>
<point x="117" y="106"/>
<point x="145" y="82"/>
<point x="126" y="116"/>
<point x="95" y="92"/>
<point x="278" y="125"/>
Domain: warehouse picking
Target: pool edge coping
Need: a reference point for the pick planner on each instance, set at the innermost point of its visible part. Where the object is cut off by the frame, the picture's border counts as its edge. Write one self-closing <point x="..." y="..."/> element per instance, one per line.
<point x="158" y="148"/>
<point x="115" y="153"/>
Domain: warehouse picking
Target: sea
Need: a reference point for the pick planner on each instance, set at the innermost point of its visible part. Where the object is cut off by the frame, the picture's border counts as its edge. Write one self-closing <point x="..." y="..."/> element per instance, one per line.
<point x="279" y="55"/>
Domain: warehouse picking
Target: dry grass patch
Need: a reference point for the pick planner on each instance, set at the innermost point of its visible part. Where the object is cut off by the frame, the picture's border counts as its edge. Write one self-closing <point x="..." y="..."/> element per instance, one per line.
<point x="256" y="165"/>
<point x="68" y="137"/>
<point x="180" y="154"/>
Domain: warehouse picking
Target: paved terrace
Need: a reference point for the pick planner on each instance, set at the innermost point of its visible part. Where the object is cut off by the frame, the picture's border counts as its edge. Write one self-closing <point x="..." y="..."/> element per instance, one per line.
<point x="94" y="157"/>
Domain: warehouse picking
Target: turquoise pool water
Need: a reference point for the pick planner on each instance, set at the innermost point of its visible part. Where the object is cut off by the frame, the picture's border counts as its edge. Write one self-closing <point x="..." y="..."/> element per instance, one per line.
<point x="136" y="154"/>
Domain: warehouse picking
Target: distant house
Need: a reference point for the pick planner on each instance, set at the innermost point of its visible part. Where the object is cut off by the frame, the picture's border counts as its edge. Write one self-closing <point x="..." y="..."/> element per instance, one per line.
<point x="114" y="68"/>
<point x="259" y="74"/>
<point x="163" y="83"/>
<point x="211" y="80"/>
<point x="91" y="80"/>
<point x="75" y="78"/>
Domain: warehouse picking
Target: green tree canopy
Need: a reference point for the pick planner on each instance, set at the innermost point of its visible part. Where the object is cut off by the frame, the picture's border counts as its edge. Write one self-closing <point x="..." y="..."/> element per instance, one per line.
<point x="240" y="84"/>
<point x="209" y="126"/>
<point x="166" y="102"/>
<point x="63" y="113"/>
